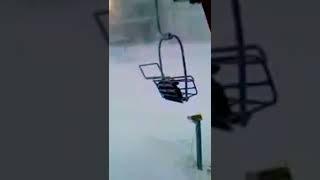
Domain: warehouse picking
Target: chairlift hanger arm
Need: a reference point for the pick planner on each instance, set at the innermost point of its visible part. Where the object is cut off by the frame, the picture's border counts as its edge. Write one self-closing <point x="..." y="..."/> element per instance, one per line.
<point x="169" y="87"/>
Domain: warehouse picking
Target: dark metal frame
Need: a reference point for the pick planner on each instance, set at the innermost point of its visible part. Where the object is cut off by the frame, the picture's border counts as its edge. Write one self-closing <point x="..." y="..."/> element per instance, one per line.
<point x="102" y="27"/>
<point x="181" y="93"/>
<point x="186" y="79"/>
<point x="251" y="54"/>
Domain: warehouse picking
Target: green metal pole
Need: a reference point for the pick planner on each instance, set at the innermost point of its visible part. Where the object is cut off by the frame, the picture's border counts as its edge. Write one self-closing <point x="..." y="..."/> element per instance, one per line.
<point x="199" y="145"/>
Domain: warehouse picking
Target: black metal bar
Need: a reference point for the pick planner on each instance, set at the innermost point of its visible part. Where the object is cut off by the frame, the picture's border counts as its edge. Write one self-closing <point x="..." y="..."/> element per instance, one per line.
<point x="231" y="60"/>
<point x="199" y="145"/>
<point x="169" y="37"/>
<point x="261" y="59"/>
<point x="97" y="15"/>
<point x="271" y="83"/>
<point x="236" y="48"/>
<point x="267" y="71"/>
<point x="253" y="102"/>
<point x="189" y="88"/>
<point x="149" y="64"/>
<point x="259" y="108"/>
<point x="241" y="53"/>
<point x="248" y="84"/>
<point x="206" y="6"/>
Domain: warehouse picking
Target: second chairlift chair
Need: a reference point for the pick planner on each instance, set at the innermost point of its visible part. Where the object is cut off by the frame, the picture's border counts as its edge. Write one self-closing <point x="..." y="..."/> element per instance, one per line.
<point x="241" y="55"/>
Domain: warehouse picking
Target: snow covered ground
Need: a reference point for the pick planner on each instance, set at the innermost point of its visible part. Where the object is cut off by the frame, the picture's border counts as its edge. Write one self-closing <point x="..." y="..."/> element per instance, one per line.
<point x="150" y="138"/>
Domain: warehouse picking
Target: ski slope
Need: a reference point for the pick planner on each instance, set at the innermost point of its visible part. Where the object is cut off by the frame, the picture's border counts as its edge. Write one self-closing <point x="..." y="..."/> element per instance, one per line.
<point x="150" y="138"/>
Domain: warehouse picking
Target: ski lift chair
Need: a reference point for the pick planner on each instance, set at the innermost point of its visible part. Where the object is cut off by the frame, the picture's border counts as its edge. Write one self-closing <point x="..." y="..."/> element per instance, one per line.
<point x="241" y="56"/>
<point x="173" y="88"/>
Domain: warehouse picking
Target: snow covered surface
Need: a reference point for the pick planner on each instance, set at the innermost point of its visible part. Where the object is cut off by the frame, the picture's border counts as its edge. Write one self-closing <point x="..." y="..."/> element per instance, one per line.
<point x="151" y="138"/>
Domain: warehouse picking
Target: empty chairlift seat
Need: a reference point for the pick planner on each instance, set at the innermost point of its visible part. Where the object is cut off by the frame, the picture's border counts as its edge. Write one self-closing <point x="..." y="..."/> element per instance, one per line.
<point x="241" y="56"/>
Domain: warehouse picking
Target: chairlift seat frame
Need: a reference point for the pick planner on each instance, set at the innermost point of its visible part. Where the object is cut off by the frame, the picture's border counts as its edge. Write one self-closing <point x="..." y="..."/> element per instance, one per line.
<point x="186" y="91"/>
<point x="242" y="55"/>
